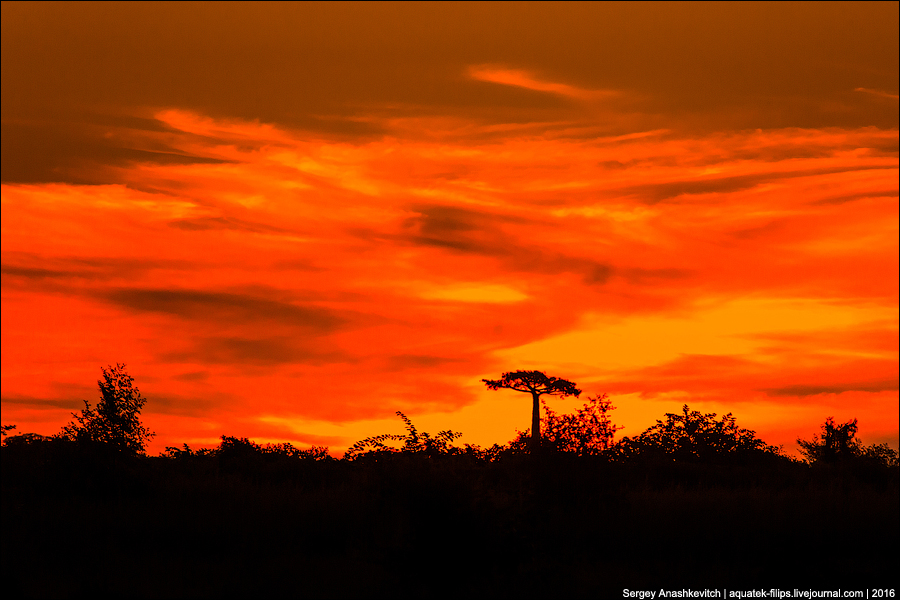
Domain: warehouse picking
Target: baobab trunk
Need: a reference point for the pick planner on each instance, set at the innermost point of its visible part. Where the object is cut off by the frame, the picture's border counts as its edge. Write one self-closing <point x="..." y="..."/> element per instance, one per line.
<point x="536" y="424"/>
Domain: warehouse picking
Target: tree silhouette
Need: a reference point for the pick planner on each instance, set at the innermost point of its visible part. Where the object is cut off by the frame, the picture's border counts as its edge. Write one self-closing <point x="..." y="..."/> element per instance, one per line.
<point x="537" y="384"/>
<point x="116" y="419"/>
<point x="696" y="437"/>
<point x="838" y="443"/>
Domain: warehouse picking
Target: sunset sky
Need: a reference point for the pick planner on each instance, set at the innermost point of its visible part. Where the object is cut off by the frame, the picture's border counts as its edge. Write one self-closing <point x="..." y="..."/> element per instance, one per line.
<point x="292" y="220"/>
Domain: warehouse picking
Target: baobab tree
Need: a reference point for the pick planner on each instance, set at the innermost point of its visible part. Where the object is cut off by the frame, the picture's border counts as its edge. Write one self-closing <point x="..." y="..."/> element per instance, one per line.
<point x="537" y="384"/>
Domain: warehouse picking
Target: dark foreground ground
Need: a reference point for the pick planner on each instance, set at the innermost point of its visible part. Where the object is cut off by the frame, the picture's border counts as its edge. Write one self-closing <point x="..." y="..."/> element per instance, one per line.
<point x="79" y="525"/>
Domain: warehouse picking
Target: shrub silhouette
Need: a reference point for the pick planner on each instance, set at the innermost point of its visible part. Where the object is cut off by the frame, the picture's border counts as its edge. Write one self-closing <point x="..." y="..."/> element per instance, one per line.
<point x="413" y="442"/>
<point x="537" y="384"/>
<point x="838" y="443"/>
<point x="241" y="447"/>
<point x="586" y="432"/>
<point x="186" y="452"/>
<point x="115" y="422"/>
<point x="24" y="439"/>
<point x="4" y="431"/>
<point x="696" y="437"/>
<point x="245" y="453"/>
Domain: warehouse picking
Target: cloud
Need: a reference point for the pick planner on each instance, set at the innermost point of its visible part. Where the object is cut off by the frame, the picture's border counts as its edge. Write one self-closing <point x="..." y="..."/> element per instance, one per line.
<point x="251" y="351"/>
<point x="35" y="267"/>
<point x="200" y="405"/>
<point x="402" y="362"/>
<point x="484" y="233"/>
<point x="886" y="193"/>
<point x="52" y="151"/>
<point x="35" y="273"/>
<point x="456" y="228"/>
<point x="640" y="276"/>
<point x="701" y="377"/>
<point x="207" y="223"/>
<point x="811" y="390"/>
<point x="524" y="79"/>
<point x="30" y="402"/>
<point x="658" y="192"/>
<point x="223" y="306"/>
<point x="879" y="93"/>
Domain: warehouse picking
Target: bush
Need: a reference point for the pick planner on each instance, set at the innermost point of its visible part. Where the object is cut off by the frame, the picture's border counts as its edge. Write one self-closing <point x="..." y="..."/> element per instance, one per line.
<point x="838" y="443"/>
<point x="696" y="437"/>
<point x="413" y="443"/>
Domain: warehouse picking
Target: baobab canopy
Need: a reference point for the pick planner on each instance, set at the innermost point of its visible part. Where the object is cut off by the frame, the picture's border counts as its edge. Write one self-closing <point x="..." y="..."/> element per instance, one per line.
<point x="535" y="382"/>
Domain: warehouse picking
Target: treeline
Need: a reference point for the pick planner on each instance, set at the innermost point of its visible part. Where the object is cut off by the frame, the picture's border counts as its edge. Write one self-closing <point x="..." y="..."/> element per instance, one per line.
<point x="689" y="436"/>
<point x="694" y="501"/>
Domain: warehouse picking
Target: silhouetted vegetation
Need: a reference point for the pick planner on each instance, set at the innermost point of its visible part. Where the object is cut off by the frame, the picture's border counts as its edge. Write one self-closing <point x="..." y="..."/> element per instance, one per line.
<point x="115" y="422"/>
<point x="537" y="384"/>
<point x="586" y="432"/>
<point x="694" y="501"/>
<point x="413" y="442"/>
<point x="698" y="438"/>
<point x="838" y="444"/>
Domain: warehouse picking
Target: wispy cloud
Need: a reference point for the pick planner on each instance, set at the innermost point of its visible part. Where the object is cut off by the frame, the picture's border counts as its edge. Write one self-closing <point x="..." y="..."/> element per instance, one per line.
<point x="527" y="80"/>
<point x="879" y="93"/>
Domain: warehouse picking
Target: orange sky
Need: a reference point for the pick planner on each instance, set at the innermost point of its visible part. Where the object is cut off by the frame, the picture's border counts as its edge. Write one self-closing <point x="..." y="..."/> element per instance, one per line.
<point x="291" y="221"/>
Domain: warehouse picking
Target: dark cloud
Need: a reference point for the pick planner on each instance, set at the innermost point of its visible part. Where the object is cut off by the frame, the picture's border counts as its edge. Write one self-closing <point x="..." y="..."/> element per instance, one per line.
<point x="811" y="390"/>
<point x="657" y="192"/>
<point x="440" y="220"/>
<point x="860" y="339"/>
<point x="786" y="150"/>
<point x="34" y="273"/>
<point x="35" y="267"/>
<point x="615" y="165"/>
<point x="207" y="223"/>
<point x="640" y="276"/>
<point x="211" y="402"/>
<point x="457" y="228"/>
<point x="485" y="233"/>
<point x="295" y="265"/>
<point x="753" y="233"/>
<point x="454" y="244"/>
<point x="264" y="352"/>
<point x="221" y="306"/>
<point x="192" y="376"/>
<point x="884" y="146"/>
<point x="697" y="373"/>
<point x="402" y="362"/>
<point x="156" y="403"/>
<point x="44" y="403"/>
<point x="325" y="67"/>
<point x="535" y="260"/>
<point x="892" y="193"/>
<point x="71" y="152"/>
